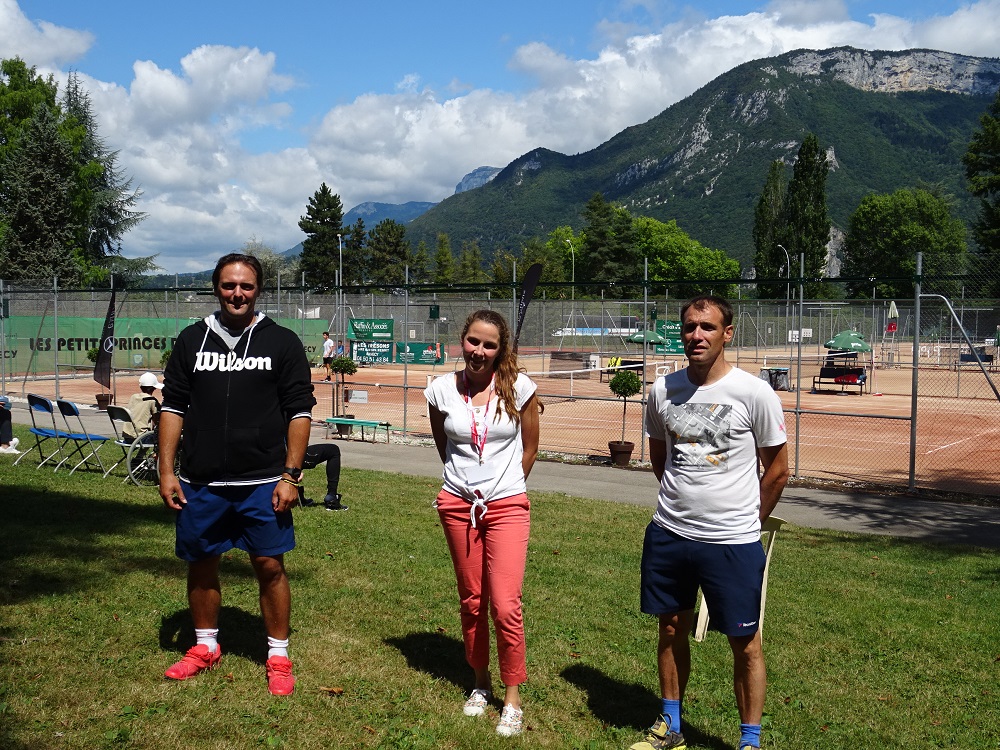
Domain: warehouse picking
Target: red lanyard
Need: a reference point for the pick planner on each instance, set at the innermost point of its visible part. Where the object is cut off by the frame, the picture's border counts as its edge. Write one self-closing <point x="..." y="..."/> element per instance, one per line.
<point x="478" y="441"/>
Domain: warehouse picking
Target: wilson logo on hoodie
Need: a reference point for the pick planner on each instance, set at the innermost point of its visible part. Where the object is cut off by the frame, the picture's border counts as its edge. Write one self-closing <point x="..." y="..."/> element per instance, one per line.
<point x="215" y="362"/>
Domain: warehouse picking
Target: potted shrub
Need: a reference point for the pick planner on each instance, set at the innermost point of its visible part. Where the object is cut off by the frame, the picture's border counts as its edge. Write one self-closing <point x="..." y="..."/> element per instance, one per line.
<point x="624" y="385"/>
<point x="342" y="367"/>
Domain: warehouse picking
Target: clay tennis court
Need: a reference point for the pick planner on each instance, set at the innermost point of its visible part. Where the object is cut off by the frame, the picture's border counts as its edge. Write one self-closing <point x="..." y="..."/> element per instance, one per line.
<point x="840" y="437"/>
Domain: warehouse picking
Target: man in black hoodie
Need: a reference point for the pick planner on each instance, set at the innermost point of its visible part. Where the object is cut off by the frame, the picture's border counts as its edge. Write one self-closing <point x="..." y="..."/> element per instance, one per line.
<point x="238" y="389"/>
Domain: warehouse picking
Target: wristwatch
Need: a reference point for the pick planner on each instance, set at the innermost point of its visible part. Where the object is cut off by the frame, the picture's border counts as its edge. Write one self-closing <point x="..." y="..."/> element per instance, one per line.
<point x="294" y="472"/>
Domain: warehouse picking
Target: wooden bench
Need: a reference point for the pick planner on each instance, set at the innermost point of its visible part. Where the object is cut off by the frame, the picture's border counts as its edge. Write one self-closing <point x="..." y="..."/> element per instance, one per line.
<point x="845" y="377"/>
<point x="362" y="423"/>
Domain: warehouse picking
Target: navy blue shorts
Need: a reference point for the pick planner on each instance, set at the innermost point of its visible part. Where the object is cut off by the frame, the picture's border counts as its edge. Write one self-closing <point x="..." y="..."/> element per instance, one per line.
<point x="216" y="519"/>
<point x="730" y="575"/>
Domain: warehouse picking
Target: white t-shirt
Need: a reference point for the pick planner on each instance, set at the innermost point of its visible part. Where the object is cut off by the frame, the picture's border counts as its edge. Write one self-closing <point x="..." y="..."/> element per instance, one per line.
<point x="711" y="489"/>
<point x="327" y="348"/>
<point x="501" y="474"/>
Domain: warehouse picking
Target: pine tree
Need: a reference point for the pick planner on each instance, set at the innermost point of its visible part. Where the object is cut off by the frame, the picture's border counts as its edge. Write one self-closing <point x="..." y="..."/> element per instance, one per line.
<point x="806" y="223"/>
<point x="444" y="261"/>
<point x="322" y="223"/>
<point x="356" y="262"/>
<point x="982" y="168"/>
<point x="420" y="265"/>
<point x="36" y="203"/>
<point x="390" y="253"/>
<point x="769" y="259"/>
<point x="105" y="199"/>
<point x="470" y="264"/>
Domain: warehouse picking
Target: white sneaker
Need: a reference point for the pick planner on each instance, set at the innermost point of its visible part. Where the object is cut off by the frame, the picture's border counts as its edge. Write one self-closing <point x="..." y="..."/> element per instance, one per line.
<point x="14" y="442"/>
<point x="10" y="449"/>
<point x="478" y="700"/>
<point x="510" y="721"/>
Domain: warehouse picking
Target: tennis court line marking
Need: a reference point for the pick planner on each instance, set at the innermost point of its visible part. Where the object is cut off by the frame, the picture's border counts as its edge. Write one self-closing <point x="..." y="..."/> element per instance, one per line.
<point x="959" y="442"/>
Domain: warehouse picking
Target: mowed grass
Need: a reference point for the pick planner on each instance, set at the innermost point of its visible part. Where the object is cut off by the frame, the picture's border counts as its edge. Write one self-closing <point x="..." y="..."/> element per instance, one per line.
<point x="871" y="642"/>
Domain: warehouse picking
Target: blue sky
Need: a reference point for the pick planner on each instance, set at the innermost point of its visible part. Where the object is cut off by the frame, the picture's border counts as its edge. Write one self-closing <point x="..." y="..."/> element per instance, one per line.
<point x="230" y="115"/>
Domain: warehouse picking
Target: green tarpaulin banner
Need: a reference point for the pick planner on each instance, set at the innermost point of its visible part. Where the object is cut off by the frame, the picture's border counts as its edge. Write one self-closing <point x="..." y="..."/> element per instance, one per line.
<point x="419" y="354"/>
<point x="32" y="342"/>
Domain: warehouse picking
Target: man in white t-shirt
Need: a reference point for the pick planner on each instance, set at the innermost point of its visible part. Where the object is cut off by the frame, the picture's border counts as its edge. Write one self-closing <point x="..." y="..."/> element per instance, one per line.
<point x="327" y="354"/>
<point x="708" y="425"/>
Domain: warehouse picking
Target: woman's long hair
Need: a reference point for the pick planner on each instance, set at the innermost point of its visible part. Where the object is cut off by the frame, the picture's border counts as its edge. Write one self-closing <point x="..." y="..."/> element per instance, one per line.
<point x="505" y="367"/>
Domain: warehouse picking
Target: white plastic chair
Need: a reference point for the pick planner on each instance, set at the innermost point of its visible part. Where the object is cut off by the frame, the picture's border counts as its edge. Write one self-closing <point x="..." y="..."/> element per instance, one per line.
<point x="768" y="534"/>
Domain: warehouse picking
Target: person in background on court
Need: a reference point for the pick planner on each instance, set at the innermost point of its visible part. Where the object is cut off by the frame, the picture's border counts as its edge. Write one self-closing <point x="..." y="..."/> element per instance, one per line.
<point x="330" y="455"/>
<point x="8" y="443"/>
<point x="238" y="386"/>
<point x="144" y="406"/>
<point x="708" y="426"/>
<point x="327" y="354"/>
<point x="340" y="348"/>
<point x="485" y="425"/>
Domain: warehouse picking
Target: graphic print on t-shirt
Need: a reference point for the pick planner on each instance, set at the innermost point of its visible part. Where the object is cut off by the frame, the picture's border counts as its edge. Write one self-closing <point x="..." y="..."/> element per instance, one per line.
<point x="701" y="437"/>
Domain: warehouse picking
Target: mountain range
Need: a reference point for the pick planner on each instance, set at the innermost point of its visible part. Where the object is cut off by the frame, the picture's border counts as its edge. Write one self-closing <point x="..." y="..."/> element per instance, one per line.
<point x="888" y="120"/>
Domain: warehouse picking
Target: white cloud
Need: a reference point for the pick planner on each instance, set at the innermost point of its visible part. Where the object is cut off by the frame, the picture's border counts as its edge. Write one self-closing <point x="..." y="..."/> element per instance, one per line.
<point x="180" y="132"/>
<point x="41" y="44"/>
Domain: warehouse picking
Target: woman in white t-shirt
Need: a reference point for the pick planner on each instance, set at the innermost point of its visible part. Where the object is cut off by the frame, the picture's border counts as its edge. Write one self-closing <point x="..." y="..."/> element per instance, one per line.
<point x="485" y="424"/>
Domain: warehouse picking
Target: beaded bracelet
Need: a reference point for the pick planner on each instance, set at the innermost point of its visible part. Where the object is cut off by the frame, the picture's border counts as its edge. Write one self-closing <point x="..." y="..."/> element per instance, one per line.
<point x="291" y="482"/>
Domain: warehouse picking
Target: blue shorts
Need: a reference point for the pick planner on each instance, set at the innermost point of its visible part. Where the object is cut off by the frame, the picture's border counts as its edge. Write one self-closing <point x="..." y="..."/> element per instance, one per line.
<point x="216" y="519"/>
<point x="730" y="575"/>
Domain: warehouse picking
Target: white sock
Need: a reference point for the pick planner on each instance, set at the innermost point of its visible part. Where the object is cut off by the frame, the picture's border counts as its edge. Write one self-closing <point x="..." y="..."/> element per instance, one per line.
<point x="277" y="647"/>
<point x="207" y="637"/>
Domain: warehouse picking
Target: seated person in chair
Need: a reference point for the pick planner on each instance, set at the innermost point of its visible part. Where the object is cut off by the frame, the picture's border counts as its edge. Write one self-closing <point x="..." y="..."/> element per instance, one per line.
<point x="144" y="406"/>
<point x="8" y="443"/>
<point x="329" y="454"/>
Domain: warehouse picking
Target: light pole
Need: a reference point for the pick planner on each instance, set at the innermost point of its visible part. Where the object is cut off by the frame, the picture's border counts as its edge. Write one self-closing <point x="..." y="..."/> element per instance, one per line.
<point x="340" y="287"/>
<point x="788" y="279"/>
<point x="572" y="290"/>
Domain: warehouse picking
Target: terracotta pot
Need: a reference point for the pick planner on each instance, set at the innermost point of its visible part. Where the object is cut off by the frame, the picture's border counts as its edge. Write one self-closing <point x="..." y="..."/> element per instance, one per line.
<point x="621" y="452"/>
<point x="103" y="400"/>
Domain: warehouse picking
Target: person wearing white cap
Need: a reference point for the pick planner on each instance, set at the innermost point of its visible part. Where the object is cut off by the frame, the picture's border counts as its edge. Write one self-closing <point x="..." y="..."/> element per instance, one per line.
<point x="144" y="406"/>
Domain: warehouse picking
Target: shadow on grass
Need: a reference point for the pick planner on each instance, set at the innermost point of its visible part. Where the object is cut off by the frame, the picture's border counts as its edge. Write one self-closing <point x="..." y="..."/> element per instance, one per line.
<point x="436" y="654"/>
<point x="627" y="705"/>
<point x="240" y="633"/>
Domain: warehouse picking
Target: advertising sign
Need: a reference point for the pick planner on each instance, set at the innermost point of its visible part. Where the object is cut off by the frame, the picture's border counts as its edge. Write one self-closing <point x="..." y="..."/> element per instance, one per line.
<point x="370" y="329"/>
<point x="419" y="354"/>
<point x="670" y="330"/>
<point x="371" y="352"/>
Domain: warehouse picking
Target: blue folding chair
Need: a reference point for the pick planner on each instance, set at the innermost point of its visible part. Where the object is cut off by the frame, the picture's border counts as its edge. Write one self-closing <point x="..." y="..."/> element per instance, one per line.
<point x="85" y="444"/>
<point x="38" y="406"/>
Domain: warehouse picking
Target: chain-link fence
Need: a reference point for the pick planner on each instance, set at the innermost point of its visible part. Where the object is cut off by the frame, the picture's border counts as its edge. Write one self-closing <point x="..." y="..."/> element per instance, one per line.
<point x="917" y="406"/>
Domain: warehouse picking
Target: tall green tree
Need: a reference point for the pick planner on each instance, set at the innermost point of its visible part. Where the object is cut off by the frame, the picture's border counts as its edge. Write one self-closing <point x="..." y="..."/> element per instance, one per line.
<point x="607" y="251"/>
<point x="105" y="200"/>
<point x="390" y="252"/>
<point x="420" y="265"/>
<point x="357" y="267"/>
<point x="688" y="267"/>
<point x="470" y="264"/>
<point x="884" y="236"/>
<point x="36" y="203"/>
<point x="806" y="226"/>
<point x="769" y="259"/>
<point x="22" y="91"/>
<point x="982" y="169"/>
<point x="444" y="261"/>
<point x="322" y="223"/>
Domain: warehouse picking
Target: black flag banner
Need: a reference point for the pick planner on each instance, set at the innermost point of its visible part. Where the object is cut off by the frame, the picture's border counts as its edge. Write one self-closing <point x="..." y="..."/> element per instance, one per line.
<point x="105" y="350"/>
<point x="527" y="292"/>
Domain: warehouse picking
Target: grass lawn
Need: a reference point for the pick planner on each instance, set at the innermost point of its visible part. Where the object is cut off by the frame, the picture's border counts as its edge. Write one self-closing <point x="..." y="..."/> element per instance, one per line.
<point x="872" y="642"/>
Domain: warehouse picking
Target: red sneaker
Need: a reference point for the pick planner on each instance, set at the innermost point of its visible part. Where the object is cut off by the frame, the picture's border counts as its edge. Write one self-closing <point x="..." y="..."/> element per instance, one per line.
<point x="197" y="659"/>
<point x="279" y="676"/>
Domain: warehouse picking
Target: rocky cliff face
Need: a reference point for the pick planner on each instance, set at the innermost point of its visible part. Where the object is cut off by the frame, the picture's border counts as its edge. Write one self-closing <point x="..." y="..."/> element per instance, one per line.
<point x="894" y="72"/>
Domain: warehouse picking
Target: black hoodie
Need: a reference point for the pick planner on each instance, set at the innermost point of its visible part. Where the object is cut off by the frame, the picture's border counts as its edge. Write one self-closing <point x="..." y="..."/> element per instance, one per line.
<point x="236" y="404"/>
